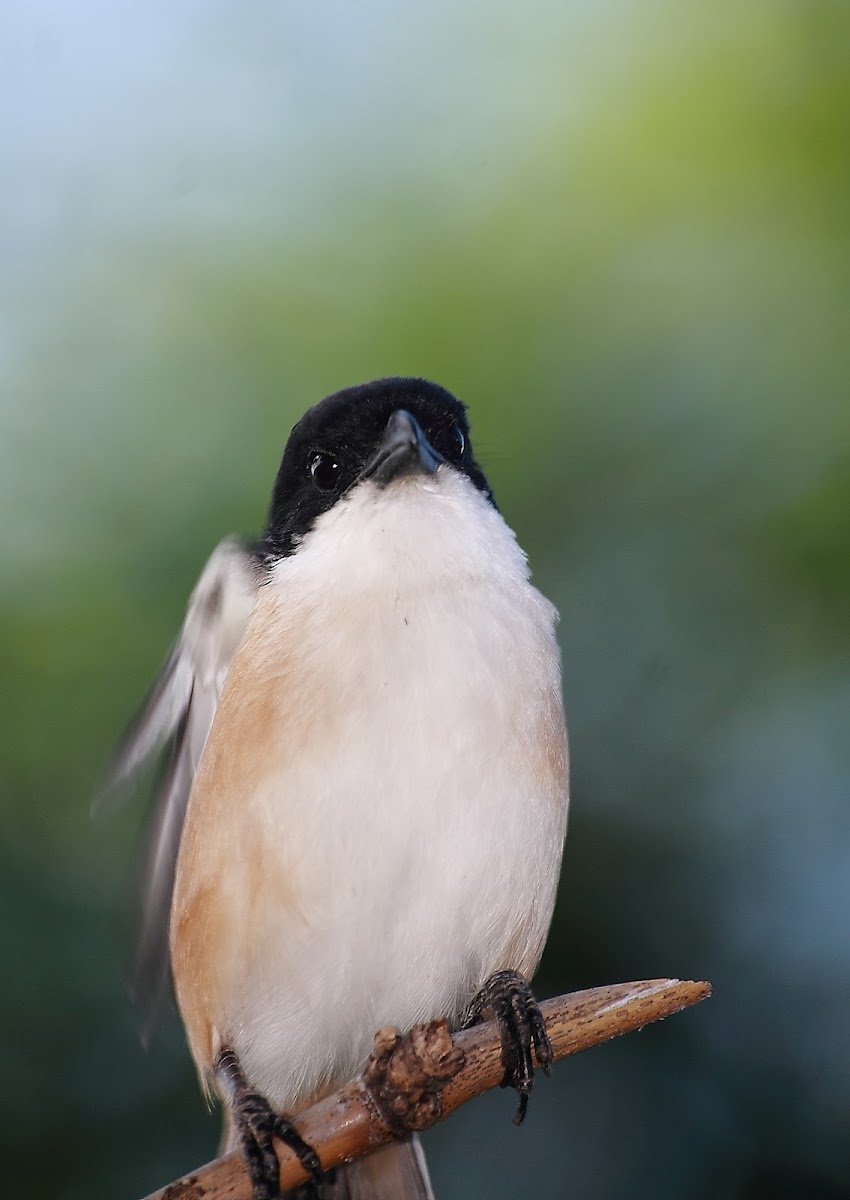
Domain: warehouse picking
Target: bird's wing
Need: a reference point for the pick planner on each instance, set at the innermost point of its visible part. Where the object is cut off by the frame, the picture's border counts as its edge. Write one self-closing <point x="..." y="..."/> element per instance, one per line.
<point x="176" y="716"/>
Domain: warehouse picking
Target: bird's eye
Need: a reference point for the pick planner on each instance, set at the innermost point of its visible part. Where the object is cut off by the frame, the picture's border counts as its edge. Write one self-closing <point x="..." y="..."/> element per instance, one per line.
<point x="453" y="443"/>
<point x="324" y="470"/>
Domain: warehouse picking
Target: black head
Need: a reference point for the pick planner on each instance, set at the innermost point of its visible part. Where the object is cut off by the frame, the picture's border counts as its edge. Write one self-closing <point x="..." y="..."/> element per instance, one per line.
<point x="378" y="431"/>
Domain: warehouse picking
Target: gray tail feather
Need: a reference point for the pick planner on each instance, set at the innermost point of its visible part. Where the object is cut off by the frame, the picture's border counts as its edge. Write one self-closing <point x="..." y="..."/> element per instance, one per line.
<point x="395" y="1172"/>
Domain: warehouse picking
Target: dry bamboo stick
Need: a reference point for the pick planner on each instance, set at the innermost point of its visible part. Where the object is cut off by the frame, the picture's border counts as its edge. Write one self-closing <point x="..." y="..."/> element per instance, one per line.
<point x="353" y="1120"/>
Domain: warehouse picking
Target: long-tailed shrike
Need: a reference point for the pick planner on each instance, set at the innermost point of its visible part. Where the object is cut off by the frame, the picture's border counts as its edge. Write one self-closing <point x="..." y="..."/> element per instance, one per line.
<point x="363" y="811"/>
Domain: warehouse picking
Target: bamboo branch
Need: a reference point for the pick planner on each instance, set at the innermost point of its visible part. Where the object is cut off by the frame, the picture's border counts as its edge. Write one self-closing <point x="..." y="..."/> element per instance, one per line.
<point x="413" y="1082"/>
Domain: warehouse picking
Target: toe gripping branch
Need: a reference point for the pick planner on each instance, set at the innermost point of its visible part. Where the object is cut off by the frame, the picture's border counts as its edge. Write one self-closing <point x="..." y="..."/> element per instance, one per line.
<point x="258" y="1124"/>
<point x="507" y="999"/>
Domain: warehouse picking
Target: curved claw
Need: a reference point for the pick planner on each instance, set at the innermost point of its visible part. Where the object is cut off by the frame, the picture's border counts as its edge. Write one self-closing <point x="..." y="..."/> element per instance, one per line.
<point x="508" y="999"/>
<point x="258" y="1125"/>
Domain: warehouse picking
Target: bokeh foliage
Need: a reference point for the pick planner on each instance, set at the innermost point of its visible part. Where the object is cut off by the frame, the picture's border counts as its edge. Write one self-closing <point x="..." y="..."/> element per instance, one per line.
<point x="636" y="274"/>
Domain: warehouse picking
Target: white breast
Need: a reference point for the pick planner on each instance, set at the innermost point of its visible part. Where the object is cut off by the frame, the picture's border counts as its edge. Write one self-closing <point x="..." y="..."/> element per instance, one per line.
<point x="416" y="803"/>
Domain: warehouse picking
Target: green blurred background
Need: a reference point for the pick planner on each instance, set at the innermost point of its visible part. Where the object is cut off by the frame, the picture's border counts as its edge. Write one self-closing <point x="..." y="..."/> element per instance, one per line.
<point x="619" y="231"/>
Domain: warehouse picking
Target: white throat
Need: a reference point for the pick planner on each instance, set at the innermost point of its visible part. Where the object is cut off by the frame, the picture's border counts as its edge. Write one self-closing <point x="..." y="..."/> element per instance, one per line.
<point x="420" y="532"/>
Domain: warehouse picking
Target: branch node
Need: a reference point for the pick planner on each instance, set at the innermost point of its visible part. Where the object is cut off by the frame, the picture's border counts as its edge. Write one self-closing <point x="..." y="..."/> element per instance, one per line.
<point x="405" y="1075"/>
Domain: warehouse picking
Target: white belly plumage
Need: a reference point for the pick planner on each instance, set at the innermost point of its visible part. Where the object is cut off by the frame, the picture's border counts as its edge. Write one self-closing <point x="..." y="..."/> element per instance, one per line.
<point x="388" y="808"/>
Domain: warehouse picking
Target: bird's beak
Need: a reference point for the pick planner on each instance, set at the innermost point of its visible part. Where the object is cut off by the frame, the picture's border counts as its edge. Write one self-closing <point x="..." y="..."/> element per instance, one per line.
<point x="404" y="450"/>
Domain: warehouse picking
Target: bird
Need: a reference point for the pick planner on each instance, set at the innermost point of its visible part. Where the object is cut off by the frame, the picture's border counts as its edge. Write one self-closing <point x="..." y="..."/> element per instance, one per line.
<point x="362" y="811"/>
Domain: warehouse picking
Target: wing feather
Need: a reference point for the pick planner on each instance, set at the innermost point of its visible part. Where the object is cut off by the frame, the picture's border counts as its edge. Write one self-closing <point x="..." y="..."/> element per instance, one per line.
<point x="176" y="716"/>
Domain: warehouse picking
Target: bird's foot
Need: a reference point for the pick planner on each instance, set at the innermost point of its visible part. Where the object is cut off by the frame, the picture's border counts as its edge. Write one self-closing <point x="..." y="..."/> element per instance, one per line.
<point x="258" y="1125"/>
<point x="507" y="998"/>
